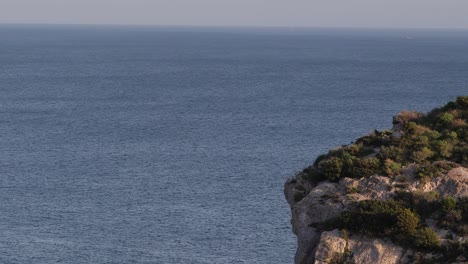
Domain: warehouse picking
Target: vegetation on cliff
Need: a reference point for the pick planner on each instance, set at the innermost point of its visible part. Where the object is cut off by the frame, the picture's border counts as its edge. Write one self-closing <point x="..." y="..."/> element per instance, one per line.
<point x="432" y="144"/>
<point x="441" y="135"/>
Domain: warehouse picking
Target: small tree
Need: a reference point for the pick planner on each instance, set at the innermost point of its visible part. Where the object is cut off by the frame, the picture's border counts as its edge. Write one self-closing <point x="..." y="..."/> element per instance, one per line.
<point x="426" y="238"/>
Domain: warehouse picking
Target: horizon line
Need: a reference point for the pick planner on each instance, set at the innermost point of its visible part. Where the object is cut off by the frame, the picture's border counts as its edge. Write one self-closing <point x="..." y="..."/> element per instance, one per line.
<point x="232" y="26"/>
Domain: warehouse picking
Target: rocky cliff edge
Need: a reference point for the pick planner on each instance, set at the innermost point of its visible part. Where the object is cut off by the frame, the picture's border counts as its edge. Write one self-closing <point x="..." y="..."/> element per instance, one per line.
<point x="399" y="207"/>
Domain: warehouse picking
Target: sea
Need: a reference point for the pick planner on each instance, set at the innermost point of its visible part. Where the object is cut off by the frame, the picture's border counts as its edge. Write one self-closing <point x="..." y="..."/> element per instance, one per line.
<point x="139" y="144"/>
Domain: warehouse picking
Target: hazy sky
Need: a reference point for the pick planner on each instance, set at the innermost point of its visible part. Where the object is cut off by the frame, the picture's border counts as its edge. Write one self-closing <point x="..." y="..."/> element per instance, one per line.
<point x="318" y="13"/>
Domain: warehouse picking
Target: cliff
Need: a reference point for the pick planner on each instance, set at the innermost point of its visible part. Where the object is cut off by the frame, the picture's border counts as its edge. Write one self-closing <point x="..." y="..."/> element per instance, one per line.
<point x="395" y="196"/>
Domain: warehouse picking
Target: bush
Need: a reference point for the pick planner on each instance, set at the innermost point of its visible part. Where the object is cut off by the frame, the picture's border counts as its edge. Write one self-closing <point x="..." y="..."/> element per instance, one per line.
<point x="392" y="168"/>
<point x="449" y="203"/>
<point x="375" y="217"/>
<point x="446" y="118"/>
<point x="422" y="155"/>
<point x="312" y="174"/>
<point x="413" y="129"/>
<point x="366" y="167"/>
<point x="454" y="215"/>
<point x="319" y="159"/>
<point x="432" y="134"/>
<point x="355" y="167"/>
<point x="426" y="238"/>
<point x="407" y="221"/>
<point x="423" y="203"/>
<point x="462" y="101"/>
<point x="392" y="153"/>
<point x="444" y="148"/>
<point x="435" y="169"/>
<point x="460" y="153"/>
<point x="331" y="168"/>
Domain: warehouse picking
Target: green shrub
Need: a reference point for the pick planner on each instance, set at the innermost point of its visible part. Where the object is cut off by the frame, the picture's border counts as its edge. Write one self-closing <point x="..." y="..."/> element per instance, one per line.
<point x="432" y="134"/>
<point x="312" y="174"/>
<point x="426" y="238"/>
<point x="375" y="217"/>
<point x="392" y="168"/>
<point x="407" y="221"/>
<point x="319" y="159"/>
<point x="391" y="152"/>
<point x="422" y="155"/>
<point x="454" y="215"/>
<point x="446" y="118"/>
<point x="422" y="203"/>
<point x="411" y="128"/>
<point x="367" y="167"/>
<point x="462" y="101"/>
<point x="452" y="135"/>
<point x="354" y="149"/>
<point x="331" y="168"/>
<point x="443" y="148"/>
<point x="449" y="203"/>
<point x="460" y="153"/>
<point x="435" y="169"/>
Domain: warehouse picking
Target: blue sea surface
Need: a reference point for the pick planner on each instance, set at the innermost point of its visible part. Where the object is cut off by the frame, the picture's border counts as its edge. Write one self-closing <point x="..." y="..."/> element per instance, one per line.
<point x="172" y="145"/>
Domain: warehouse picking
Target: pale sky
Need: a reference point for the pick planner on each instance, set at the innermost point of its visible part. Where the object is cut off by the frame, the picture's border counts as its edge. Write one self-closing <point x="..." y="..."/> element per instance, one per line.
<point x="289" y="13"/>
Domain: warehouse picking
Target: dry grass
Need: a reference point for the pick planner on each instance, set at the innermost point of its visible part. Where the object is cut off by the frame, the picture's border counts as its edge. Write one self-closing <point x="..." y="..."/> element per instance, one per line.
<point x="407" y="116"/>
<point x="458" y="122"/>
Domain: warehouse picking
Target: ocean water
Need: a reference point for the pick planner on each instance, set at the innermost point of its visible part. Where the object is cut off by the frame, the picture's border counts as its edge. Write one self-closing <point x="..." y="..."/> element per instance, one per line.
<point x="171" y="145"/>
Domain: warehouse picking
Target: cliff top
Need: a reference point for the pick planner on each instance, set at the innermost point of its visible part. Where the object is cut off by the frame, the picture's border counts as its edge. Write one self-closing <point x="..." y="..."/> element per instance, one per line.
<point x="405" y="189"/>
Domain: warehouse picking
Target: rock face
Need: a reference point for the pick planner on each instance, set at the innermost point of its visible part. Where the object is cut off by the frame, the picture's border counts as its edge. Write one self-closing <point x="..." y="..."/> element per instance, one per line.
<point x="455" y="184"/>
<point x="360" y="249"/>
<point x="313" y="204"/>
